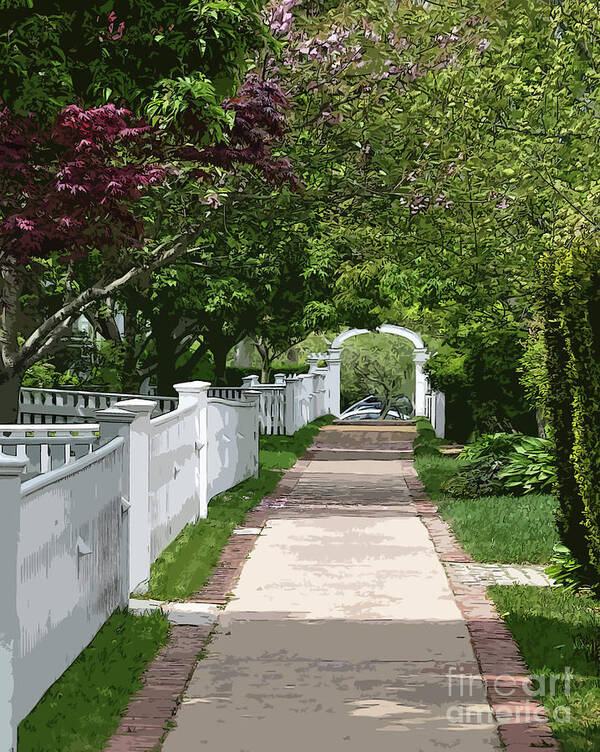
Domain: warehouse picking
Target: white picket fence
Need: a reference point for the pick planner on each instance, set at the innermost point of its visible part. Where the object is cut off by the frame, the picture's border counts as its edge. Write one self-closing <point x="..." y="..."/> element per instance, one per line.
<point x="435" y="410"/>
<point x="88" y="506"/>
<point x="288" y="404"/>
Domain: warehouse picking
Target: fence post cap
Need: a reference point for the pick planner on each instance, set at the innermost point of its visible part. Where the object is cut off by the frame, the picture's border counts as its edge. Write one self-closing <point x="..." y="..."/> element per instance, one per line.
<point x="251" y="394"/>
<point x="191" y="387"/>
<point x="12" y="466"/>
<point x="114" y="415"/>
<point x="137" y="406"/>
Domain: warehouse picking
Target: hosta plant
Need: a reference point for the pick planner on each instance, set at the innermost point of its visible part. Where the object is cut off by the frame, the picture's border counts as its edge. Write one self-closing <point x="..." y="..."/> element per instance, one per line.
<point x="530" y="468"/>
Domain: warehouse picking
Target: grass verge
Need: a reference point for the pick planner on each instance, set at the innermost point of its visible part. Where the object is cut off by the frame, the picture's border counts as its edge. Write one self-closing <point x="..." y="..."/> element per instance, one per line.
<point x="556" y="630"/>
<point x="81" y="710"/>
<point x="186" y="564"/>
<point x="504" y="529"/>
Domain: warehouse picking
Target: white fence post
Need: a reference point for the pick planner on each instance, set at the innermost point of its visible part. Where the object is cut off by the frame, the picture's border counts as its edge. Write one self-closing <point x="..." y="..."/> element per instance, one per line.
<point x="197" y="392"/>
<point x="440" y="414"/>
<point x="253" y="395"/>
<point x="250" y="382"/>
<point x="280" y="379"/>
<point x="291" y="404"/>
<point x="420" y="357"/>
<point x="313" y="362"/>
<point x="114" y="422"/>
<point x="139" y="493"/>
<point x="11" y="469"/>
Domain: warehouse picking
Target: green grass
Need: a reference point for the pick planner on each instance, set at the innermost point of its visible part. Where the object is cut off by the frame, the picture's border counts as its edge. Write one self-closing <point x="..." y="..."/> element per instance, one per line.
<point x="82" y="709"/>
<point x="433" y="471"/>
<point x="505" y="529"/>
<point x="281" y="452"/>
<point x="186" y="564"/>
<point x="556" y="629"/>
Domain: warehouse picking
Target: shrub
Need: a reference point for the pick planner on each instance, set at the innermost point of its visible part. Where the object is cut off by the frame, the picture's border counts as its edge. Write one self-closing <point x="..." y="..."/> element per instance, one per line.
<point x="426" y="450"/>
<point x="425" y="445"/>
<point x="426" y="436"/>
<point x="503" y="463"/>
<point x="570" y="303"/>
<point x="477" y="478"/>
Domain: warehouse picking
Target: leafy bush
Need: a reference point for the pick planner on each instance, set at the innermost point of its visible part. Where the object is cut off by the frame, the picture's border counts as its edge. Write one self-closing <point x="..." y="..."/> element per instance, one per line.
<point x="426" y="436"/>
<point x="426" y="450"/>
<point x="503" y="463"/>
<point x="477" y="478"/>
<point x="425" y="445"/>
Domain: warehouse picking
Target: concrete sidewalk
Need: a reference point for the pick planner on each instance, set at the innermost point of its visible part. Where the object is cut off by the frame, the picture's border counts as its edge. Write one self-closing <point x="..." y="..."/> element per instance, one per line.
<point x="343" y="632"/>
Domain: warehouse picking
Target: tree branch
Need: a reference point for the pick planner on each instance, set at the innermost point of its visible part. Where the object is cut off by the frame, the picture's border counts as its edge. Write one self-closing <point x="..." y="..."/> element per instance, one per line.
<point x="53" y="328"/>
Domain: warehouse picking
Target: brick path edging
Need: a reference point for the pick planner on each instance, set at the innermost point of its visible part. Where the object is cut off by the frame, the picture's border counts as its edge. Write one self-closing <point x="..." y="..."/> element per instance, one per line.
<point x="152" y="709"/>
<point x="522" y="720"/>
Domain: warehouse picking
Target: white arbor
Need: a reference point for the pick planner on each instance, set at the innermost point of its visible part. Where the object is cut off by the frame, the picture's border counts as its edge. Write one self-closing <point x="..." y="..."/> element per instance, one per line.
<point x="430" y="404"/>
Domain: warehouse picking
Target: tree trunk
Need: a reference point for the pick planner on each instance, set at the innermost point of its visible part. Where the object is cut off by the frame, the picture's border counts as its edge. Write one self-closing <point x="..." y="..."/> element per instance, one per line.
<point x="541" y="422"/>
<point x="266" y="358"/>
<point x="265" y="373"/>
<point x="220" y="360"/>
<point x="166" y="349"/>
<point x="10" y="386"/>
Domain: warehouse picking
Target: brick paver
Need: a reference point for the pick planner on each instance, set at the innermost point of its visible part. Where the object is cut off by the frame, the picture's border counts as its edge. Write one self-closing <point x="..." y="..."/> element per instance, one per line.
<point x="474" y="573"/>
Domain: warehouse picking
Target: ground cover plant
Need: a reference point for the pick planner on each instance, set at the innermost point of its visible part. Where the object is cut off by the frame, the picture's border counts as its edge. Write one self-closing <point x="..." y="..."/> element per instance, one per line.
<point x="556" y="629"/>
<point x="82" y="709"/>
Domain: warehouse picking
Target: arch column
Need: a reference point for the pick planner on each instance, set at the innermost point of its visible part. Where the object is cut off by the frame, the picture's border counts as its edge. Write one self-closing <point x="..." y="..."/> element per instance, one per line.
<point x="420" y="357"/>
<point x="333" y="358"/>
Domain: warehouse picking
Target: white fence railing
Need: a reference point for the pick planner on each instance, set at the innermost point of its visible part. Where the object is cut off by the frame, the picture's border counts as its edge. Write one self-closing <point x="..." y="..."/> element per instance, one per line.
<point x="64" y="569"/>
<point x="233" y="450"/>
<point x="106" y="499"/>
<point x="227" y="392"/>
<point x="70" y="406"/>
<point x="47" y="447"/>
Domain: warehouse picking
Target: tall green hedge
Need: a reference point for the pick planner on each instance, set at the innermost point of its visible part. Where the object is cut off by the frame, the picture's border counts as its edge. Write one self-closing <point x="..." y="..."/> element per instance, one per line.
<point x="570" y="301"/>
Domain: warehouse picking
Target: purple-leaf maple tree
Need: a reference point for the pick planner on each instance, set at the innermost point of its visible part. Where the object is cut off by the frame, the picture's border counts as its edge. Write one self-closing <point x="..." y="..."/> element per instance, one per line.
<point x="71" y="187"/>
<point x="260" y="123"/>
<point x="66" y="187"/>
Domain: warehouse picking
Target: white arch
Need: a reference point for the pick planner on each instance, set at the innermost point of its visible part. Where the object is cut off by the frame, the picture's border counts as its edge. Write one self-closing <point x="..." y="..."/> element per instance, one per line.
<point x="420" y="356"/>
<point x="400" y="331"/>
